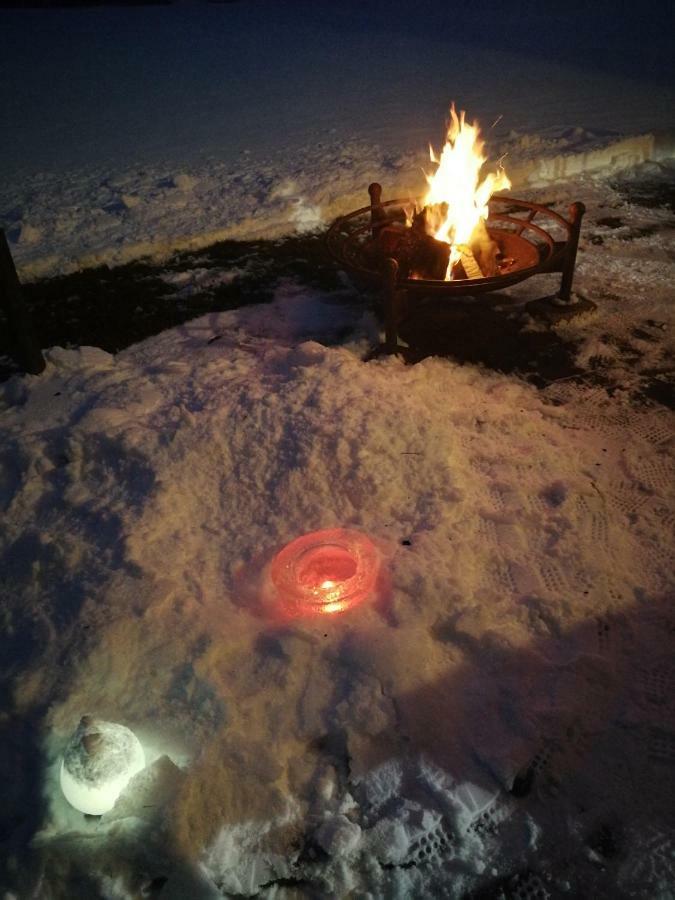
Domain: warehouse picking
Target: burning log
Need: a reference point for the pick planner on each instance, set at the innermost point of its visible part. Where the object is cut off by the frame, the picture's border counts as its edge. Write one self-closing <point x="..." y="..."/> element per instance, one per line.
<point x="468" y="261"/>
<point x="429" y="258"/>
<point x="418" y="254"/>
<point x="485" y="252"/>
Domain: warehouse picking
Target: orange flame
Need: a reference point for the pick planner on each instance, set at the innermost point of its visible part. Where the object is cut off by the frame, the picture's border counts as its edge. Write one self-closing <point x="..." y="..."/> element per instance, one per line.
<point x="456" y="200"/>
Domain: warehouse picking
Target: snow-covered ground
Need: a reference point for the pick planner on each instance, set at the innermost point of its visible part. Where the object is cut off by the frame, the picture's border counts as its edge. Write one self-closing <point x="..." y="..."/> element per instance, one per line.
<point x="498" y="716"/>
<point x="497" y="720"/>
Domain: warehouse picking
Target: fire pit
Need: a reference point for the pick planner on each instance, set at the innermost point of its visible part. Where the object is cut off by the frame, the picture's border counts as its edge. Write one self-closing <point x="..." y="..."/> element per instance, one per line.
<point x="524" y="248"/>
<point x="458" y="240"/>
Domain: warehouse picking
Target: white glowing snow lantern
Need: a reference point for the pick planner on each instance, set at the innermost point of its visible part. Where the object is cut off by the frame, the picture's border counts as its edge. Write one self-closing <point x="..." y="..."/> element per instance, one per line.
<point x="99" y="761"/>
<point x="326" y="571"/>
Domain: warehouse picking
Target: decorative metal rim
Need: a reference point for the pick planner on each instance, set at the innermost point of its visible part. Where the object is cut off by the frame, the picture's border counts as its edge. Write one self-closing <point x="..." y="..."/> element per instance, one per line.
<point x="343" y="241"/>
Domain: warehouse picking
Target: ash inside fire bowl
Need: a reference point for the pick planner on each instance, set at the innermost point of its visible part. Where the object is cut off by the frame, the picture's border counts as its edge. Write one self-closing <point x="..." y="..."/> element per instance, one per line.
<point x="489" y="252"/>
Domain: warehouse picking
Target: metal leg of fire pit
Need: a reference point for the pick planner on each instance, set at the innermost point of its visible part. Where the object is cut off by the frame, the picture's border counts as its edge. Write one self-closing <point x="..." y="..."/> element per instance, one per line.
<point x="374" y="256"/>
<point x="577" y="211"/>
<point x="391" y="305"/>
<point x="561" y="307"/>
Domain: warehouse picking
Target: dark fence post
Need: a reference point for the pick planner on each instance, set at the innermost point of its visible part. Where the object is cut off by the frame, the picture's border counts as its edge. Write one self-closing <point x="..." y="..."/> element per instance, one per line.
<point x="23" y="346"/>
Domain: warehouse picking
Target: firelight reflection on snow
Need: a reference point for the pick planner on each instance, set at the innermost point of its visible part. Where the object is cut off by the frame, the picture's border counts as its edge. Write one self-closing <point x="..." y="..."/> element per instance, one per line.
<point x="326" y="572"/>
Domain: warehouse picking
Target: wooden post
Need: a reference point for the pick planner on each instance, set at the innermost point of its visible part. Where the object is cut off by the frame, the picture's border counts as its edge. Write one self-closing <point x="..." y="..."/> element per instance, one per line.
<point x="577" y="211"/>
<point x="23" y="346"/>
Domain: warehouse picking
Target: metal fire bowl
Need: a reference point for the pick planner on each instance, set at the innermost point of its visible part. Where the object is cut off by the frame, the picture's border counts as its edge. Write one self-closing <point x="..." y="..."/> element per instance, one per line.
<point x="526" y="247"/>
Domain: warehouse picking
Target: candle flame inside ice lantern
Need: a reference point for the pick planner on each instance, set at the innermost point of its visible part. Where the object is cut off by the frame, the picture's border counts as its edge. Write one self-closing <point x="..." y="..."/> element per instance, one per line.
<point x="99" y="761"/>
<point x="326" y="571"/>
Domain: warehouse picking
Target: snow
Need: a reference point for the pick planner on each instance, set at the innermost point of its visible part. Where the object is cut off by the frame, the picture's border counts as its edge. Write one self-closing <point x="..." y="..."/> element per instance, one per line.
<point x="498" y="716"/>
<point x="524" y="620"/>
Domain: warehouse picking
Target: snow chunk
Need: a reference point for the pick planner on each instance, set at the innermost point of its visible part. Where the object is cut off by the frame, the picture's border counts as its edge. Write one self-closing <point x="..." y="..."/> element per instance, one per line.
<point x="237" y="861"/>
<point x="338" y="836"/>
<point x="199" y="280"/>
<point x="79" y="358"/>
<point x="382" y="783"/>
<point x="185" y="182"/>
<point x="308" y="353"/>
<point x="389" y="841"/>
<point x="130" y="200"/>
<point x="29" y="235"/>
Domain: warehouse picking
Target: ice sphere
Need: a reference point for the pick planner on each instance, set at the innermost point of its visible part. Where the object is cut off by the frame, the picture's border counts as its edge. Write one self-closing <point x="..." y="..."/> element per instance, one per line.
<point x="99" y="761"/>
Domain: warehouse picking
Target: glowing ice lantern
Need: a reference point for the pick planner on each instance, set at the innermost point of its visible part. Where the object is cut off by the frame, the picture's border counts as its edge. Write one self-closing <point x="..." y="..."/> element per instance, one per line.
<point x="326" y="571"/>
<point x="99" y="761"/>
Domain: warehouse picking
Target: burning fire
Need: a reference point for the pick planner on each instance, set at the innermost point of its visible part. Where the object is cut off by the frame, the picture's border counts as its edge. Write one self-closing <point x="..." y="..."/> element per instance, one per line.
<point x="457" y="201"/>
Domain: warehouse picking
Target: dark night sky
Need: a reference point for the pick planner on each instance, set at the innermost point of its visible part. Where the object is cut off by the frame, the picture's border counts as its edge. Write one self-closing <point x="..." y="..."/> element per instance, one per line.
<point x="635" y="39"/>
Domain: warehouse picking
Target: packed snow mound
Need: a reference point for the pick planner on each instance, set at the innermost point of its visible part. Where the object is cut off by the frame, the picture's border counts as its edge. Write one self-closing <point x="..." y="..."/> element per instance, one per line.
<point x="510" y="669"/>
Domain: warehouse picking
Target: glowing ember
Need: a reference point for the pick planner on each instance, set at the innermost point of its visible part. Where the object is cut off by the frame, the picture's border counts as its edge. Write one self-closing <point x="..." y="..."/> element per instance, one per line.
<point x="326" y="571"/>
<point x="457" y="202"/>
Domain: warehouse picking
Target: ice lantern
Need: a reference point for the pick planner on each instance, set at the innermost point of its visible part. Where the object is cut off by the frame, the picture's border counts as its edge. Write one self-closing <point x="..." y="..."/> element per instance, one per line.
<point x="99" y="761"/>
<point x="325" y="571"/>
